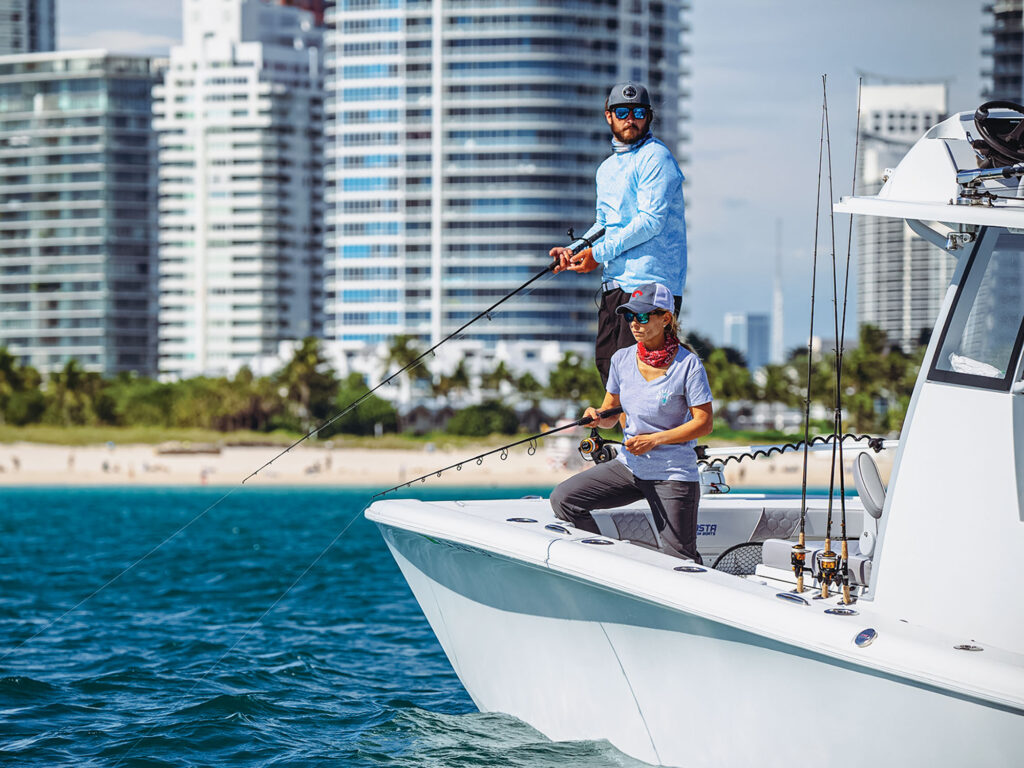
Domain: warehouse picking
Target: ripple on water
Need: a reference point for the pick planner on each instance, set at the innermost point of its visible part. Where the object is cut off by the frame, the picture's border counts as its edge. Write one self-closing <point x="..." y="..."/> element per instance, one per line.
<point x="166" y="667"/>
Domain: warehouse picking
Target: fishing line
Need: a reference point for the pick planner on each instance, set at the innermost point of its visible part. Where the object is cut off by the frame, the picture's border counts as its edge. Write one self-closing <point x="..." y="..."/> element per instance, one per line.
<point x="110" y="581"/>
<point x="829" y="559"/>
<point x="543" y="275"/>
<point x="580" y="245"/>
<point x="844" y="545"/>
<point x="503" y="449"/>
<point x="799" y="555"/>
<point x="252" y="626"/>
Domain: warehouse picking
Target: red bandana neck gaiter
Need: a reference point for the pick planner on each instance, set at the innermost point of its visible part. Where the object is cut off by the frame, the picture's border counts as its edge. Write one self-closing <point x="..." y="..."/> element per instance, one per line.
<point x="659" y="358"/>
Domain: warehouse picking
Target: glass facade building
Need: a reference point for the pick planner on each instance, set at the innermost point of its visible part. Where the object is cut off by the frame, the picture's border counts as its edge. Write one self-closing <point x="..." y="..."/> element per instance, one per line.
<point x="462" y="141"/>
<point x="1004" y="50"/>
<point x="901" y="278"/>
<point x="27" y="26"/>
<point x="77" y="223"/>
<point x="240" y="123"/>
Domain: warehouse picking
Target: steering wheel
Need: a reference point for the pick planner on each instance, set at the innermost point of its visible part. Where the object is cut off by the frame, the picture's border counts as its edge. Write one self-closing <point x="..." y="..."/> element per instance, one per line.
<point x="1009" y="143"/>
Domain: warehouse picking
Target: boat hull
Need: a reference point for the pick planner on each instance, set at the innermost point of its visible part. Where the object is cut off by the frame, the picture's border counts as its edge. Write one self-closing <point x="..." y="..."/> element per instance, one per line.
<point x="580" y="661"/>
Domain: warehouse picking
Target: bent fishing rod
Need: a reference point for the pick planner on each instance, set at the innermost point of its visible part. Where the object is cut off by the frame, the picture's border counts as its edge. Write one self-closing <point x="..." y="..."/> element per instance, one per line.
<point x="577" y="246"/>
<point x="503" y="450"/>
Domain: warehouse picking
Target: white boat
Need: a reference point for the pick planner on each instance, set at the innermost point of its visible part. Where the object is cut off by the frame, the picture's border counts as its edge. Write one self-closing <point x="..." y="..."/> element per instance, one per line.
<point x="593" y="637"/>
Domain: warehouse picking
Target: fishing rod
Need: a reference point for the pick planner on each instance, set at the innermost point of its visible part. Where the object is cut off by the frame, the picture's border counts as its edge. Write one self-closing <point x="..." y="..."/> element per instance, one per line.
<point x="829" y="561"/>
<point x="577" y="245"/>
<point x="479" y="459"/>
<point x="799" y="556"/>
<point x="844" y="571"/>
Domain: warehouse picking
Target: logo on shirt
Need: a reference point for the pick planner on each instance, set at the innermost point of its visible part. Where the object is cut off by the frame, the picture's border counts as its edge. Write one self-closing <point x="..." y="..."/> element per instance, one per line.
<point x="665" y="395"/>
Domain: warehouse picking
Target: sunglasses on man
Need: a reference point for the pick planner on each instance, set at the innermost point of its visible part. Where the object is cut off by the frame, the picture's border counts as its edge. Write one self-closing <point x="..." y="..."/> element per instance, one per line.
<point x="623" y="112"/>
<point x="643" y="317"/>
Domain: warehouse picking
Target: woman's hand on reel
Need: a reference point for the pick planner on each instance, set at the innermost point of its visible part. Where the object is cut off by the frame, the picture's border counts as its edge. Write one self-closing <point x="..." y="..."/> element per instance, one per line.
<point x="641" y="444"/>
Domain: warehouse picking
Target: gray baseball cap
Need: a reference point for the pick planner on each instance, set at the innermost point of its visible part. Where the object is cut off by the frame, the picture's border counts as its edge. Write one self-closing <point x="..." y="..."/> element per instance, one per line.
<point x="628" y="93"/>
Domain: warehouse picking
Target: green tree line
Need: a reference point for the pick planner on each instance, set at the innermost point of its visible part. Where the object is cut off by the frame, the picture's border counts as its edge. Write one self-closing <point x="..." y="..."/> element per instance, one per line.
<point x="305" y="392"/>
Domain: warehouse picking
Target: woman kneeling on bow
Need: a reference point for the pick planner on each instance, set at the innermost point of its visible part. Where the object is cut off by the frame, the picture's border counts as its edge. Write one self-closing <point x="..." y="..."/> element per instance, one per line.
<point x="663" y="391"/>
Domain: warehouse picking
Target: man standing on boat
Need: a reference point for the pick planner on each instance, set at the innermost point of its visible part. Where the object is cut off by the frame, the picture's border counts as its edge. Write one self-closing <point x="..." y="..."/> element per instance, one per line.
<point x="640" y="204"/>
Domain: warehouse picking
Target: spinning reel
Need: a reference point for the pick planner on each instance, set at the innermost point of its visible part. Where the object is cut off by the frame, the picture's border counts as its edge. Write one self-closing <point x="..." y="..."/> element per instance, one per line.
<point x="596" y="449"/>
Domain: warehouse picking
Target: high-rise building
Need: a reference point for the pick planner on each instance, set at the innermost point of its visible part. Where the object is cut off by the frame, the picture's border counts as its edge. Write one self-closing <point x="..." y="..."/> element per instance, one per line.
<point x="735" y="332"/>
<point x="77" y="229"/>
<point x="27" y="26"/>
<point x="240" y="122"/>
<point x="901" y="277"/>
<point x="749" y="333"/>
<point x="758" y="340"/>
<point x="1004" y="50"/>
<point x="462" y="143"/>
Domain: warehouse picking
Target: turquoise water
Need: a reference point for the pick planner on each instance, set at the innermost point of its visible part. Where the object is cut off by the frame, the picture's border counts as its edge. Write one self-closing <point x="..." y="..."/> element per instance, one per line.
<point x="164" y="667"/>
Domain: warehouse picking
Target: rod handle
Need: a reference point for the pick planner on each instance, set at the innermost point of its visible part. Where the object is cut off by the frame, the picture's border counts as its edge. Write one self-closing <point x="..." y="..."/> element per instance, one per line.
<point x="584" y="243"/>
<point x="602" y="415"/>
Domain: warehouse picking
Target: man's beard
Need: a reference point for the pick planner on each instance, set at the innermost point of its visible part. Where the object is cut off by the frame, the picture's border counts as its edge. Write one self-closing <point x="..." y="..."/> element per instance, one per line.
<point x="636" y="131"/>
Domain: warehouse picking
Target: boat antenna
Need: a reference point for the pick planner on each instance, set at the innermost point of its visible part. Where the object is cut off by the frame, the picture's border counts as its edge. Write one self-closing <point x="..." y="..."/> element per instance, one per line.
<point x="799" y="556"/>
<point x="844" y="571"/>
<point x="503" y="450"/>
<point x="578" y="245"/>
<point x="829" y="558"/>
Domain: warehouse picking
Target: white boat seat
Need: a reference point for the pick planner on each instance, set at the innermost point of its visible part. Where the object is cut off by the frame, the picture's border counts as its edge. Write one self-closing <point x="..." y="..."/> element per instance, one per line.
<point x="869" y="484"/>
<point x="778" y="554"/>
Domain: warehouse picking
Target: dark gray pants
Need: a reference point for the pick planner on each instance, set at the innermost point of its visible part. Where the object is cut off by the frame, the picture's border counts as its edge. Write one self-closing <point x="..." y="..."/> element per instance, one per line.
<point x="610" y="485"/>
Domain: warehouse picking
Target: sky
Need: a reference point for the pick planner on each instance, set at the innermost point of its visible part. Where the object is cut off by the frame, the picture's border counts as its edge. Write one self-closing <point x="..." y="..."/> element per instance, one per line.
<point x="756" y="109"/>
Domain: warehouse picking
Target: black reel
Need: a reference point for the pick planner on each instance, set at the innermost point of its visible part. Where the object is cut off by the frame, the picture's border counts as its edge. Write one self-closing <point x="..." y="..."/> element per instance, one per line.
<point x="596" y="449"/>
<point x="1002" y="138"/>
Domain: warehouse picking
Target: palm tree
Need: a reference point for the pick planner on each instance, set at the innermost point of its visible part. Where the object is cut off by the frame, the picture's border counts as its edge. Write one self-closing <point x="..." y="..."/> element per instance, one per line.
<point x="401" y="353"/>
<point x="309" y="382"/>
<point x="494" y="379"/>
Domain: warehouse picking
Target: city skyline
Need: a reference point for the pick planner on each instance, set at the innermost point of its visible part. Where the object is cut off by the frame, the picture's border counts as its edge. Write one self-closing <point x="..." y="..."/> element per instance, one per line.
<point x="754" y="138"/>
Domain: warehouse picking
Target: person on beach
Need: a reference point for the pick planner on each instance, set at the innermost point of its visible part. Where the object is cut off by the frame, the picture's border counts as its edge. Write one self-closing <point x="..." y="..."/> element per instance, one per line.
<point x="640" y="205"/>
<point x="664" y="394"/>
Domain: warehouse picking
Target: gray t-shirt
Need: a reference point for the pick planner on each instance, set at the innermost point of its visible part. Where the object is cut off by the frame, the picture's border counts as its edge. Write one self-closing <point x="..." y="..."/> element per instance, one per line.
<point x="658" y="405"/>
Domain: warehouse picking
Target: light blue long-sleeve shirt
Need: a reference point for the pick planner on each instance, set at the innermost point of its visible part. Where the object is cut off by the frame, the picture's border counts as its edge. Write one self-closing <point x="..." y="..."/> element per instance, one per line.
<point x="640" y="204"/>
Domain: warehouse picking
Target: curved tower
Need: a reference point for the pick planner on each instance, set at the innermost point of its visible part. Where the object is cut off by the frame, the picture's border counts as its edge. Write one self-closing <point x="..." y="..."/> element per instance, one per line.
<point x="463" y="137"/>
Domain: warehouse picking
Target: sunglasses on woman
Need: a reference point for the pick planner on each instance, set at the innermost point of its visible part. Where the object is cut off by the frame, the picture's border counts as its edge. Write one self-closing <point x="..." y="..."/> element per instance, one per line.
<point x="623" y="112"/>
<point x="643" y="317"/>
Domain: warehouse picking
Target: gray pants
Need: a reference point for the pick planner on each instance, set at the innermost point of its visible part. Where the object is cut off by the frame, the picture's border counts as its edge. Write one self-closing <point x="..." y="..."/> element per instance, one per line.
<point x="610" y="485"/>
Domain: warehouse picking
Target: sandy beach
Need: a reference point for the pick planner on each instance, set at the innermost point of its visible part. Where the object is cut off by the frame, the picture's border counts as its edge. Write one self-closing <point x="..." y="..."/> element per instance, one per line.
<point x="24" y="464"/>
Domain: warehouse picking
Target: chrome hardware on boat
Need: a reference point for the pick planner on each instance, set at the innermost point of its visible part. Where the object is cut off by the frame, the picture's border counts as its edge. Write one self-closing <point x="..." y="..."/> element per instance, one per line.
<point x="792" y="598"/>
<point x="557" y="529"/>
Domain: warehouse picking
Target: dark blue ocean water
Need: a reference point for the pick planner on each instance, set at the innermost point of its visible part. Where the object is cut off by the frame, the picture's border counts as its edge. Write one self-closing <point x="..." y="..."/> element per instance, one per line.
<point x="163" y="666"/>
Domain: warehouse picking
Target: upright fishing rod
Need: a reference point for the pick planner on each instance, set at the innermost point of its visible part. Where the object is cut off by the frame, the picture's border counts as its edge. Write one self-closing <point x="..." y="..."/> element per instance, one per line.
<point x="578" y="245"/>
<point x="799" y="556"/>
<point x="829" y="559"/>
<point x="844" y="571"/>
<point x="479" y="459"/>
